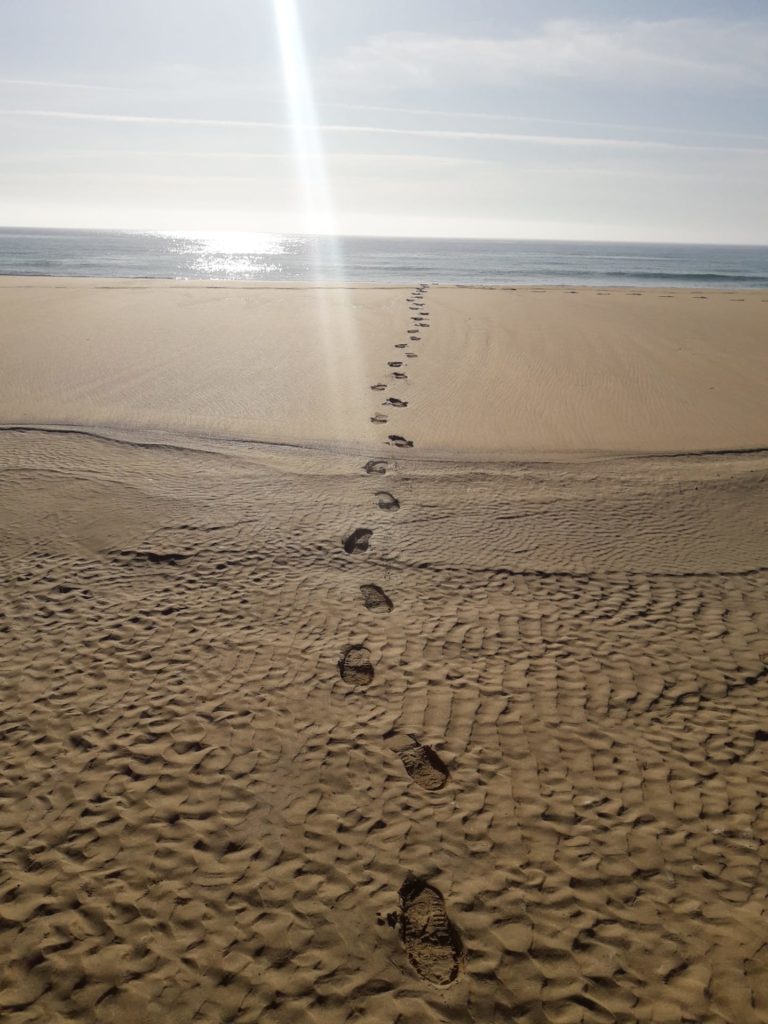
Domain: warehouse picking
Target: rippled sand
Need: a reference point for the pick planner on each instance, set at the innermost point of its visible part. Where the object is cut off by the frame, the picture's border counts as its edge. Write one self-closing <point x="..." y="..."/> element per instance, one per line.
<point x="362" y="732"/>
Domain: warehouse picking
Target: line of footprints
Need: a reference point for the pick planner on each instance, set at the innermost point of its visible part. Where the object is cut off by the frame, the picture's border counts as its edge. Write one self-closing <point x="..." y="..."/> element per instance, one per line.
<point x="431" y="942"/>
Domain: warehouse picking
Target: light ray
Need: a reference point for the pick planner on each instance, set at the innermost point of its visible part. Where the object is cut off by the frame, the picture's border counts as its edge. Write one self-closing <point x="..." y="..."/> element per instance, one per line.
<point x="308" y="149"/>
<point x="334" y="315"/>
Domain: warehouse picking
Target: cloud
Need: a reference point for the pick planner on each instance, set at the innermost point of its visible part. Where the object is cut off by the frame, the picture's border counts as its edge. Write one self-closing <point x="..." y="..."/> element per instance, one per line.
<point x="589" y="142"/>
<point x="697" y="51"/>
<point x="465" y="115"/>
<point x="48" y="84"/>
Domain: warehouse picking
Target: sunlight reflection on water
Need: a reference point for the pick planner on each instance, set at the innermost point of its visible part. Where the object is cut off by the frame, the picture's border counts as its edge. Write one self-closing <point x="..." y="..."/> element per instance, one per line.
<point x="232" y="254"/>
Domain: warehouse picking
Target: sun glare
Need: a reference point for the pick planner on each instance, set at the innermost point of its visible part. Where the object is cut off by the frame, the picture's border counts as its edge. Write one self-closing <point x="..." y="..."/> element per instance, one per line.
<point x="319" y="216"/>
<point x="335" y="322"/>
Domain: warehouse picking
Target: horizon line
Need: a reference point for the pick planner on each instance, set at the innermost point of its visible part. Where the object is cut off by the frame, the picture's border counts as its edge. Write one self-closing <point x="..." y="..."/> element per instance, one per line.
<point x="351" y="234"/>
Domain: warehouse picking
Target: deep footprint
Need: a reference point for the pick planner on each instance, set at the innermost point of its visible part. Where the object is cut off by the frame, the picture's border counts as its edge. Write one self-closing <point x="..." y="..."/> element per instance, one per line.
<point x="357" y="541"/>
<point x="378" y="387"/>
<point x="378" y="418"/>
<point x="387" y="501"/>
<point x="375" y="599"/>
<point x="431" y="942"/>
<point x="400" y="376"/>
<point x="399" y="442"/>
<point x="355" y="665"/>
<point x="424" y="766"/>
<point x="397" y="402"/>
<point x="375" y="466"/>
<point x="394" y="363"/>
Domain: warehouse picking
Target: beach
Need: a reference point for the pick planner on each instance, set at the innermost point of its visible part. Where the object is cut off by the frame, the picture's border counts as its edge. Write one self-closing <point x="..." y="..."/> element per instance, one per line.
<point x="383" y="653"/>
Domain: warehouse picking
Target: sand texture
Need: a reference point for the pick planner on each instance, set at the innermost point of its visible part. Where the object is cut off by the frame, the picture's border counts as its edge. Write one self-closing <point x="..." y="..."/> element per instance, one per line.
<point x="525" y="370"/>
<point x="301" y="734"/>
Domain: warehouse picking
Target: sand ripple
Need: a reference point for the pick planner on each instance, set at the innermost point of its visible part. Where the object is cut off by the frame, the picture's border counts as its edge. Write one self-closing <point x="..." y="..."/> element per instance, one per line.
<point x="203" y="817"/>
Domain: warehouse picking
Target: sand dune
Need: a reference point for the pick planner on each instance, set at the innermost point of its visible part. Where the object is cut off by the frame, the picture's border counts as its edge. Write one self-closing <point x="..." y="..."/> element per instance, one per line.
<point x="311" y="735"/>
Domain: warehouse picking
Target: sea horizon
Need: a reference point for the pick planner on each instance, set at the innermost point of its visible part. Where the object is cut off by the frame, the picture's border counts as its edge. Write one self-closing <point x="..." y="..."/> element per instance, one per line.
<point x="357" y="259"/>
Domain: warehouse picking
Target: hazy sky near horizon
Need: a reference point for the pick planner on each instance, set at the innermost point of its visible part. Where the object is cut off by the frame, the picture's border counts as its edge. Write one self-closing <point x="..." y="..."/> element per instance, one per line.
<point x="636" y="121"/>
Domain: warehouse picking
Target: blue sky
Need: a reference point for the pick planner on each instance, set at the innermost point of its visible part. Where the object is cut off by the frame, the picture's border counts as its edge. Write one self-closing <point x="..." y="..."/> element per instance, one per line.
<point x="430" y="117"/>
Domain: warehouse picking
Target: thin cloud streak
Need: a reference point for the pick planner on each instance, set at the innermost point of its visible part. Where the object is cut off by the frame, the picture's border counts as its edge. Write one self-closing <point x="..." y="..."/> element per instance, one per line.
<point x="531" y="119"/>
<point x="435" y="133"/>
<point x="38" y="82"/>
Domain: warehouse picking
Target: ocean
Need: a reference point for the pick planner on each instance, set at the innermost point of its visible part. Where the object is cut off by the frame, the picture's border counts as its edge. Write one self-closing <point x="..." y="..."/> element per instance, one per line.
<point x="268" y="257"/>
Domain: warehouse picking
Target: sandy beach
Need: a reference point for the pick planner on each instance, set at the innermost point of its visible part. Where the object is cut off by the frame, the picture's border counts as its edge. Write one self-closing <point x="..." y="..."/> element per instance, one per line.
<point x="383" y="654"/>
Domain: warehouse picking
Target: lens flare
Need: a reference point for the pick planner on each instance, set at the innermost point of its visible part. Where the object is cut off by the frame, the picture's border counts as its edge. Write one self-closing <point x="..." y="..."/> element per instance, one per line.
<point x="334" y="315"/>
<point x="309" y="158"/>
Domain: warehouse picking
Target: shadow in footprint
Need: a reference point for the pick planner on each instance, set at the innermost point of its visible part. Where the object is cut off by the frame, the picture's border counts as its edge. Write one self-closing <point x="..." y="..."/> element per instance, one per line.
<point x="398" y="402"/>
<point x="387" y="501"/>
<point x="399" y="442"/>
<point x="378" y="387"/>
<point x="420" y="761"/>
<point x="399" y="375"/>
<point x="431" y="942"/>
<point x="375" y="466"/>
<point x="423" y="765"/>
<point x="378" y="418"/>
<point x="357" y="541"/>
<point x="395" y="363"/>
<point x="375" y="599"/>
<point x="355" y="665"/>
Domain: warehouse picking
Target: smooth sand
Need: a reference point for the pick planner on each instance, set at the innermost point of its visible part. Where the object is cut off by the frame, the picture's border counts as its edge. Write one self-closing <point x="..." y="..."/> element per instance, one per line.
<point x="479" y="738"/>
<point x="526" y="370"/>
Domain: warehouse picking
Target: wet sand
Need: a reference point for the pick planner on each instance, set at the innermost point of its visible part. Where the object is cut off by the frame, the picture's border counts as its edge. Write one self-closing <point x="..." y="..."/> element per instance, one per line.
<point x="302" y="723"/>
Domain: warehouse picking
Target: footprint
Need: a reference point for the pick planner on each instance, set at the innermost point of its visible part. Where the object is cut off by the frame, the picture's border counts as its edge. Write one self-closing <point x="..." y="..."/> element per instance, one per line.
<point x="395" y="363"/>
<point x="355" y="665"/>
<point x="378" y="387"/>
<point x="430" y="940"/>
<point x="399" y="442"/>
<point x="423" y="765"/>
<point x="402" y="344"/>
<point x="375" y="466"/>
<point x="378" y="418"/>
<point x="400" y="376"/>
<point x="397" y="402"/>
<point x="375" y="599"/>
<point x="357" y="541"/>
<point x="387" y="501"/>
<point x="412" y="355"/>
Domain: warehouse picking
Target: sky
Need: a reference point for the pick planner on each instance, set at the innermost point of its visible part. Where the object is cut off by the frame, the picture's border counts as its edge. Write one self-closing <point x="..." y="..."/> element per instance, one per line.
<point x="500" y="119"/>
